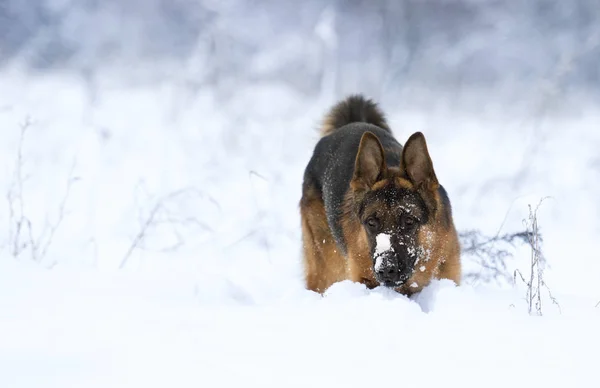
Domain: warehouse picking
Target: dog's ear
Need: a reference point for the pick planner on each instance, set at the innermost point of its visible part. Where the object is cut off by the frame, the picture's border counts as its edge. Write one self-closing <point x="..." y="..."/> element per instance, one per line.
<point x="369" y="166"/>
<point x="416" y="163"/>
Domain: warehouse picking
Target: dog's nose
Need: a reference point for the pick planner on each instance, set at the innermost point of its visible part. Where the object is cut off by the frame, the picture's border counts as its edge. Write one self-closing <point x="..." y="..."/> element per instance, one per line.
<point x="388" y="273"/>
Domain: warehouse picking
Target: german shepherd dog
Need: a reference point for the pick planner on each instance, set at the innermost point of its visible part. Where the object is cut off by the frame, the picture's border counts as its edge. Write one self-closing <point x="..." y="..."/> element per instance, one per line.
<point x="373" y="211"/>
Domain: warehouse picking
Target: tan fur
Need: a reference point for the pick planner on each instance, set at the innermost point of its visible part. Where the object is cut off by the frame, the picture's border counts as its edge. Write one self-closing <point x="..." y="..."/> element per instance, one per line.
<point x="360" y="264"/>
<point x="441" y="262"/>
<point x="441" y="243"/>
<point x="328" y="125"/>
<point x="323" y="263"/>
<point x="404" y="183"/>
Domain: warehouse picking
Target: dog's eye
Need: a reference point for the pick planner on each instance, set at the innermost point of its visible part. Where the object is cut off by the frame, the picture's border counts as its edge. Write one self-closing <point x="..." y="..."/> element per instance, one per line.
<point x="373" y="223"/>
<point x="409" y="221"/>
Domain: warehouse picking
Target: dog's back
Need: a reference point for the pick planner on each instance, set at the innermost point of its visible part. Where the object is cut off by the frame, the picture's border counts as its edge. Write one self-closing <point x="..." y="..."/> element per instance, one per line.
<point x="330" y="169"/>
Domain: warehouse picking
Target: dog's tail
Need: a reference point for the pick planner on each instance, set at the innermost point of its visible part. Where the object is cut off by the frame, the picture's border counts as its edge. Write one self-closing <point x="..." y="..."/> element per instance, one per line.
<point x="354" y="108"/>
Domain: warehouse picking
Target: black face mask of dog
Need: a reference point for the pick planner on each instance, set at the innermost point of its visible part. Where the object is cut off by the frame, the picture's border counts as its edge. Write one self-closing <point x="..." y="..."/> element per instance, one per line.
<point x="392" y="217"/>
<point x="394" y="204"/>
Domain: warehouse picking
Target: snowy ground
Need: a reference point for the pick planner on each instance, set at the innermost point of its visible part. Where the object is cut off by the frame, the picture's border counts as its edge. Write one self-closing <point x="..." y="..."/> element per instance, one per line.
<point x="62" y="329"/>
<point x="212" y="294"/>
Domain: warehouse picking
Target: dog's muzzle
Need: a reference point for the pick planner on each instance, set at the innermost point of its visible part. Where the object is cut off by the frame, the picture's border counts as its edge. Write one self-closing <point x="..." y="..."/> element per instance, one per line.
<point x="391" y="270"/>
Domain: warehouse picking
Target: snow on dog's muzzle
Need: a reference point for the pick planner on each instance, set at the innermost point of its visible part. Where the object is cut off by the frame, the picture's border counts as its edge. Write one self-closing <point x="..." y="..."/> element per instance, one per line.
<point x="388" y="266"/>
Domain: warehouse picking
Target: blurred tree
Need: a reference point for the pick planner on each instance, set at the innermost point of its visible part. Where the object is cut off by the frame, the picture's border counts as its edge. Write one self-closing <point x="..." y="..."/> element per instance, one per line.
<point x="381" y="46"/>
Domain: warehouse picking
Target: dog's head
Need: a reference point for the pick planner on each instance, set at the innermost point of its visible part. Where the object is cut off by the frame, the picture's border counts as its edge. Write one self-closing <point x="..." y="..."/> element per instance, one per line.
<point x="396" y="206"/>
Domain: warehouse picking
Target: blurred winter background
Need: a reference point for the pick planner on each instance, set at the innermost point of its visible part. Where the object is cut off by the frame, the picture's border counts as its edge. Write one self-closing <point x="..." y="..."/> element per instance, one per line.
<point x="151" y="160"/>
<point x="171" y="135"/>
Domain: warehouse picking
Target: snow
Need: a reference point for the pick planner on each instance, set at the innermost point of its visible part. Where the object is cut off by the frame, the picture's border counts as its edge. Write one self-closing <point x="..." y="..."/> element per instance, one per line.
<point x="213" y="296"/>
<point x="176" y="260"/>
<point x="65" y="329"/>
<point x="382" y="243"/>
<point x="378" y="263"/>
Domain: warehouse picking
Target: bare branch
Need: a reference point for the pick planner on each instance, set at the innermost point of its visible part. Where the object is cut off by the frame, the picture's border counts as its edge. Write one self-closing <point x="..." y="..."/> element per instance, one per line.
<point x="490" y="254"/>
<point x="16" y="204"/>
<point x="141" y="234"/>
<point x="21" y="236"/>
<point x="535" y="282"/>
<point x="61" y="212"/>
<point x="161" y="215"/>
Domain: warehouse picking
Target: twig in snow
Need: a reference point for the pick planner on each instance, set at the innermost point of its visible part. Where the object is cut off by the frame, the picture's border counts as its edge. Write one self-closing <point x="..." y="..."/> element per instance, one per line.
<point x="20" y="229"/>
<point x="488" y="255"/>
<point x="535" y="282"/>
<point x="160" y="215"/>
<point x="18" y="222"/>
<point x="61" y="212"/>
<point x="141" y="234"/>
